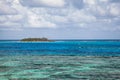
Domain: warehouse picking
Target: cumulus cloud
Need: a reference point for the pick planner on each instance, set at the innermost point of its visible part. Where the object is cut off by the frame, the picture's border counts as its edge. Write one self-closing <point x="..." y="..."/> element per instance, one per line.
<point x="90" y="2"/>
<point x="5" y="8"/>
<point x="39" y="3"/>
<point x="54" y="13"/>
<point x="81" y="16"/>
<point x="114" y="9"/>
<point x="37" y="21"/>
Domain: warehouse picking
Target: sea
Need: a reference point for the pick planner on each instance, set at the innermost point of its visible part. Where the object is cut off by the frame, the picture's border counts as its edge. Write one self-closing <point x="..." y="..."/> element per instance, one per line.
<point x="60" y="60"/>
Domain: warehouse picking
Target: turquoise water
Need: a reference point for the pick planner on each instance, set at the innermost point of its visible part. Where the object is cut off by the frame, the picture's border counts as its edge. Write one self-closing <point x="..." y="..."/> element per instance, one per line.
<point x="60" y="60"/>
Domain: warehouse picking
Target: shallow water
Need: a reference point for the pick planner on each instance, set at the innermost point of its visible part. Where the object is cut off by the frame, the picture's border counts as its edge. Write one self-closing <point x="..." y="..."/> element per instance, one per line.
<point x="59" y="68"/>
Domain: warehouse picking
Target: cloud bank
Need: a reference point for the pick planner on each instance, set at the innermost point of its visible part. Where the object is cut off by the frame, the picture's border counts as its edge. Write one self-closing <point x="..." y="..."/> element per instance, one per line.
<point x="83" y="14"/>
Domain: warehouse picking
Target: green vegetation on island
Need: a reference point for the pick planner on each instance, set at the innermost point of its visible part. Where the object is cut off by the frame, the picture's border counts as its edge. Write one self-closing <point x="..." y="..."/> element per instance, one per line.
<point x="35" y="39"/>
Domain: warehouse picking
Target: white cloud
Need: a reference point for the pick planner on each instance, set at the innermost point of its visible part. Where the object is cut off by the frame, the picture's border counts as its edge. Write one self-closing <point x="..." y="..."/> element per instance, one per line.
<point x="26" y="18"/>
<point x="10" y="21"/>
<point x="5" y="8"/>
<point x="101" y="11"/>
<point x="39" y="3"/>
<point x="38" y="21"/>
<point x="9" y="24"/>
<point x="81" y="16"/>
<point x="15" y="18"/>
<point x="90" y="2"/>
<point x="2" y="19"/>
<point x="53" y="3"/>
<point x="49" y="14"/>
<point x="115" y="9"/>
<point x="60" y="19"/>
<point x="104" y="0"/>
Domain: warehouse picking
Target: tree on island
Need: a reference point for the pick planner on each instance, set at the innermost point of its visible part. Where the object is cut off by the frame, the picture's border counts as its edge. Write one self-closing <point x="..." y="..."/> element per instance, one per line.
<point x="35" y="39"/>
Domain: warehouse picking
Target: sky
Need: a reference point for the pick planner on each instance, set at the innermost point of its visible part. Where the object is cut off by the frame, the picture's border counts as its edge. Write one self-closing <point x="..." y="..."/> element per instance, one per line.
<point x="60" y="19"/>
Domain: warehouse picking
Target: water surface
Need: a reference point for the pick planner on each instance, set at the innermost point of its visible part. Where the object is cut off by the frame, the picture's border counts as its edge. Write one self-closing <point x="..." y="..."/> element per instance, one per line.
<point x="82" y="48"/>
<point x="60" y="60"/>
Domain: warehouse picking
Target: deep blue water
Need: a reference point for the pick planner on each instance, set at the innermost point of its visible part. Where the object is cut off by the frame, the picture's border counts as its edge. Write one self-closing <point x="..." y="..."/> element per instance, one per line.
<point x="82" y="48"/>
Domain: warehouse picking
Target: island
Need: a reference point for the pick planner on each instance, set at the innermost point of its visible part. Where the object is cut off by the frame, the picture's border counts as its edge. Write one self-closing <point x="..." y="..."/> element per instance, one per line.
<point x="36" y="39"/>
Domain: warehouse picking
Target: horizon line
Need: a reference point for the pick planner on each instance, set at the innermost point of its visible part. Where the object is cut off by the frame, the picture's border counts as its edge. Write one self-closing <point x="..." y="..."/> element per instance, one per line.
<point x="58" y="39"/>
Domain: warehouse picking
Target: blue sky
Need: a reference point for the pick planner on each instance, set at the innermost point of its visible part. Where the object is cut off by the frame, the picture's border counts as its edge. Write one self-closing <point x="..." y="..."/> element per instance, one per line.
<point x="60" y="19"/>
